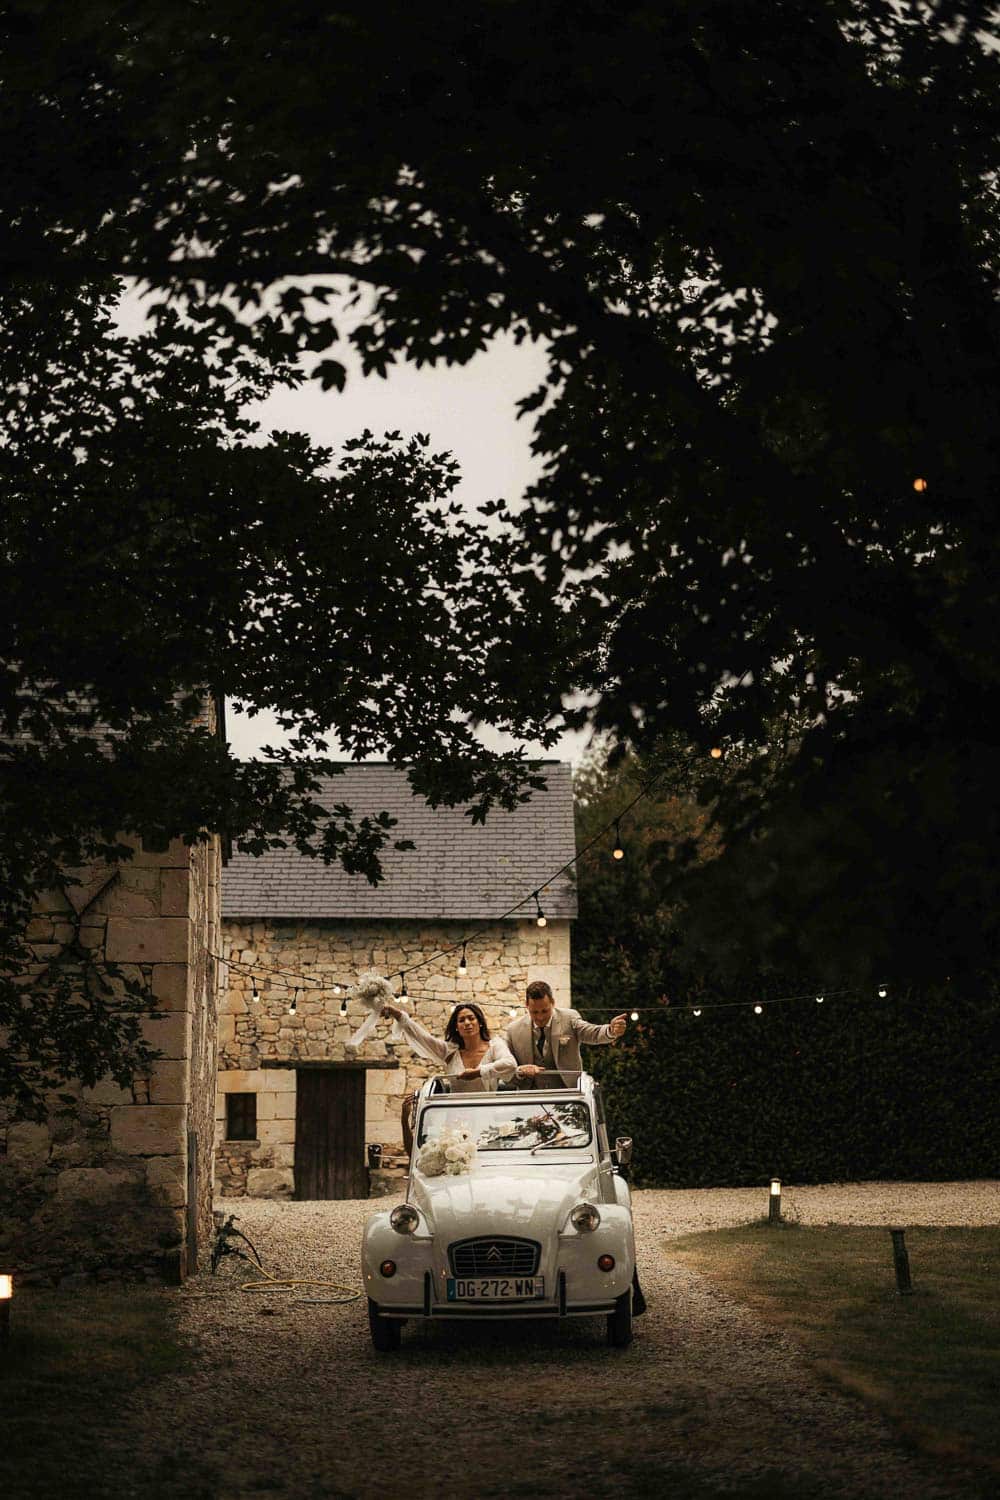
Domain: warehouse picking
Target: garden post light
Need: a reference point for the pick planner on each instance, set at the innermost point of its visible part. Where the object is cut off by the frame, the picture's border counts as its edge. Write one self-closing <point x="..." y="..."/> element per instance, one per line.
<point x="6" y="1294"/>
<point x="774" y="1202"/>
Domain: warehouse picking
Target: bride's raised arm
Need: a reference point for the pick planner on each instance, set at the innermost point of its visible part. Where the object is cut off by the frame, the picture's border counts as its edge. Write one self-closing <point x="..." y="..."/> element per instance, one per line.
<point x="434" y="1048"/>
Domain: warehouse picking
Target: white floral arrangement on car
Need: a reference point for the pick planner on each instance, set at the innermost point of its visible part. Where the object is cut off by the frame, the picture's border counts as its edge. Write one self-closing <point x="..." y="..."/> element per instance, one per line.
<point x="373" y="992"/>
<point x="452" y="1152"/>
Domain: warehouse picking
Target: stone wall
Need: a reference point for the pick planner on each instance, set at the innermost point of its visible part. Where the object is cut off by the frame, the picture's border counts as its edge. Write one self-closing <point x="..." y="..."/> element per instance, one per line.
<point x="101" y="1188"/>
<point x="502" y="961"/>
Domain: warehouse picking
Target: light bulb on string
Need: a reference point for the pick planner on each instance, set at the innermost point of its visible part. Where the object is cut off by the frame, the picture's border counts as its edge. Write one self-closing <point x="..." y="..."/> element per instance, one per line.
<point x="541" y="920"/>
<point x="463" y="963"/>
<point x="337" y="989"/>
<point x="920" y="485"/>
<point x="820" y="999"/>
<point x="716" y="752"/>
<point x="882" y="992"/>
<point x="255" y="993"/>
<point x="634" y="1015"/>
<point x="696" y="1010"/>
<point x="404" y="993"/>
<point x="758" y="1010"/>
<point x="618" y="852"/>
<point x="343" y="1006"/>
<point x="512" y="1012"/>
<point x="294" y="1003"/>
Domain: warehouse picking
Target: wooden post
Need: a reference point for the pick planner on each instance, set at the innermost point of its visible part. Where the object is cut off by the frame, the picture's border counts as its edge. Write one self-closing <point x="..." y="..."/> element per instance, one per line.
<point x="774" y="1203"/>
<point x="904" y="1286"/>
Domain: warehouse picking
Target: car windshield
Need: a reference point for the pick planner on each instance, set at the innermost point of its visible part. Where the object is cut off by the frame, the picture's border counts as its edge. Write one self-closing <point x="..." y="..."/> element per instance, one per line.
<point x="551" y="1124"/>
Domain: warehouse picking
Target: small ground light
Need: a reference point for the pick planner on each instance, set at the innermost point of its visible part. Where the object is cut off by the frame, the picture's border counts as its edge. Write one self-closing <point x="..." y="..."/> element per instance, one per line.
<point x="6" y="1294"/>
<point x="774" y="1202"/>
<point x="758" y="1010"/>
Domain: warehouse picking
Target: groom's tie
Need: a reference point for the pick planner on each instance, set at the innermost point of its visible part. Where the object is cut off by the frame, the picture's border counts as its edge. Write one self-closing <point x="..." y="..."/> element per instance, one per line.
<point x="540" y="1044"/>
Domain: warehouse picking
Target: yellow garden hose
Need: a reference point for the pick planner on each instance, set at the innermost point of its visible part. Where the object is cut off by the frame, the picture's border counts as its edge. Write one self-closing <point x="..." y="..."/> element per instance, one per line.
<point x="288" y="1284"/>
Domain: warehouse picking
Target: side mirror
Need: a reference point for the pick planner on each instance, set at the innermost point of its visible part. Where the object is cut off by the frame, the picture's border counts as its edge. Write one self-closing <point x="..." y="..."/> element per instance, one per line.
<point x="623" y="1150"/>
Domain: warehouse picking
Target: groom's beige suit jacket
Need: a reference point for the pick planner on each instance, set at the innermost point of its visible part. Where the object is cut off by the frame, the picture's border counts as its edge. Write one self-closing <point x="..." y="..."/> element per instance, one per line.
<point x="567" y="1029"/>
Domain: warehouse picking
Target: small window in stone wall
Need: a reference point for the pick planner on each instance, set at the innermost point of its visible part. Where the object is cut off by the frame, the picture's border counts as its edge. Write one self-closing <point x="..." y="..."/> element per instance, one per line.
<point x="241" y="1117"/>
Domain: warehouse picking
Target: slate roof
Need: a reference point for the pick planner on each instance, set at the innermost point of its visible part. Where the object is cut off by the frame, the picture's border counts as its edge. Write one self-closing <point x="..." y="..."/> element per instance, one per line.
<point x="459" y="869"/>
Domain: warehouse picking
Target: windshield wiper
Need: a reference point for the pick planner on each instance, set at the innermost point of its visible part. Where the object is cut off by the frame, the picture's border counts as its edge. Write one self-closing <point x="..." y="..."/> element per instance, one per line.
<point x="556" y="1141"/>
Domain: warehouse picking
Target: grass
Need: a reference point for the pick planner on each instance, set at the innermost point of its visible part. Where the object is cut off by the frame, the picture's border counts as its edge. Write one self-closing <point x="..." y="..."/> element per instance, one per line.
<point x="72" y="1364"/>
<point x="930" y="1361"/>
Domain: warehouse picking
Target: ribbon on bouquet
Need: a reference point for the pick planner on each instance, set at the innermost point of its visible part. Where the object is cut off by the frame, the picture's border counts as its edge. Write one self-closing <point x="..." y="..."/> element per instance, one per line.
<point x="373" y="992"/>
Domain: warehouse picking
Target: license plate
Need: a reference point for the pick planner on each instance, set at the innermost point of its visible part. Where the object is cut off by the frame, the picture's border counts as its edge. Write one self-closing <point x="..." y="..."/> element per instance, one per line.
<point x="495" y="1288"/>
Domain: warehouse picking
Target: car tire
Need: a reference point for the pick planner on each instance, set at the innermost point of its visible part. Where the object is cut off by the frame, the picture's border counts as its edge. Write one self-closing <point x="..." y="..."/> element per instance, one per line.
<point x="385" y="1331"/>
<point x="620" y="1322"/>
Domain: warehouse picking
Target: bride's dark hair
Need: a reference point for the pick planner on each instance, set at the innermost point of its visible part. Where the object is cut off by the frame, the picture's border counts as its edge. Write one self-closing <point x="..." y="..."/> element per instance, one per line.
<point x="451" y="1030"/>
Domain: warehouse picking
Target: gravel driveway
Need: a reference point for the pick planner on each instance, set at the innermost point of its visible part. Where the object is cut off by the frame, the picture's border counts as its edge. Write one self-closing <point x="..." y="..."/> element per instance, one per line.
<point x="290" y="1400"/>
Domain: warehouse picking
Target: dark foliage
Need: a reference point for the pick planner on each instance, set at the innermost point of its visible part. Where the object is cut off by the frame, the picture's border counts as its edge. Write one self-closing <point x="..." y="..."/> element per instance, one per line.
<point x="854" y="1087"/>
<point x="760" y="243"/>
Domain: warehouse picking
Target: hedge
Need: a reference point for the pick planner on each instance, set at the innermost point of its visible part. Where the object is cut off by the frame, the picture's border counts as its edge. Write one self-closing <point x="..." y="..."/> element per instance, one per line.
<point x="857" y="1088"/>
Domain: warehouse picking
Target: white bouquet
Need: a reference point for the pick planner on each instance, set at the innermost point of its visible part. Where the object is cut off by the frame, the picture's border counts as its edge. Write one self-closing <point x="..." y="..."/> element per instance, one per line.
<point x="373" y="992"/>
<point x="452" y="1152"/>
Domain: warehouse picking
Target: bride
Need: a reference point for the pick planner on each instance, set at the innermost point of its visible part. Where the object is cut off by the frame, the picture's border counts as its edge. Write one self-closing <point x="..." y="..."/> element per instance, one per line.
<point x="471" y="1056"/>
<point x="474" y="1059"/>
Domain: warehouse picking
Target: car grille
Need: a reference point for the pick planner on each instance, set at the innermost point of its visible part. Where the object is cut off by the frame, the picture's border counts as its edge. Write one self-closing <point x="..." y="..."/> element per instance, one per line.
<point x="494" y="1254"/>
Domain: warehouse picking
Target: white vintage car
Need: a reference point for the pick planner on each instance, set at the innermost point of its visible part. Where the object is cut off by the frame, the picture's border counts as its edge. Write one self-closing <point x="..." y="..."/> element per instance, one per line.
<point x="539" y="1227"/>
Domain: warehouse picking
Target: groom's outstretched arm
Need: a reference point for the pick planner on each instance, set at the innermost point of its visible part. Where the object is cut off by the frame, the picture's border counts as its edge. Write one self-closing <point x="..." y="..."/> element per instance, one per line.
<point x="588" y="1033"/>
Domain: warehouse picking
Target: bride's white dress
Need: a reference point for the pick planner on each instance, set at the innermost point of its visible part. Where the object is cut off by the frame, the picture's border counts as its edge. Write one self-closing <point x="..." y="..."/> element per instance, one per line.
<point x="497" y="1065"/>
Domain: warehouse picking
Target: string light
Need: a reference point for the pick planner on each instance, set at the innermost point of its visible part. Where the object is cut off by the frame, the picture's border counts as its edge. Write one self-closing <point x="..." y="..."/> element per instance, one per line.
<point x="634" y="1016"/>
<point x="618" y="852"/>
<point x="256" y="992"/>
<point x="513" y="1011"/>
<point x="696" y="1011"/>
<point x="758" y="1010"/>
<point x="294" y="1003"/>
<point x="403" y="992"/>
<point x="820" y="999"/>
<point x="337" y="989"/>
<point x="463" y="963"/>
<point x="882" y="992"/>
<point x="541" y="920"/>
<point x="343" y="1006"/>
<point x="716" y="752"/>
<point x="920" y="485"/>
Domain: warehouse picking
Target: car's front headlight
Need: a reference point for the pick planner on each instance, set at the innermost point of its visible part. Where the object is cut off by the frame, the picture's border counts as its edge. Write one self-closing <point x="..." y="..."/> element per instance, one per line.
<point x="585" y="1217"/>
<point x="404" y="1218"/>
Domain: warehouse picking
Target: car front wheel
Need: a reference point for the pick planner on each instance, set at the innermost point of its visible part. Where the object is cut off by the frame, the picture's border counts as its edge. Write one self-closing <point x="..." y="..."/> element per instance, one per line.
<point x="620" y="1321"/>
<point x="385" y="1331"/>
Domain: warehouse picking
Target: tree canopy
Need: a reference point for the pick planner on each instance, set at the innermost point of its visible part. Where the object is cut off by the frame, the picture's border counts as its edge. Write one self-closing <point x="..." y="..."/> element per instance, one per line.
<point x="760" y="244"/>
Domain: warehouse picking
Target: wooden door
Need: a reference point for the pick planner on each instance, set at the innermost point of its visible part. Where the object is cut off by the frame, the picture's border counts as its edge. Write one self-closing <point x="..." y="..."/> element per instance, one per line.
<point x="330" y="1133"/>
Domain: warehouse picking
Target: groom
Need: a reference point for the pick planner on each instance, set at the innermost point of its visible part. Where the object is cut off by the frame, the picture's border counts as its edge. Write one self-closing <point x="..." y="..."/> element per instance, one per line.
<point x="546" y="1041"/>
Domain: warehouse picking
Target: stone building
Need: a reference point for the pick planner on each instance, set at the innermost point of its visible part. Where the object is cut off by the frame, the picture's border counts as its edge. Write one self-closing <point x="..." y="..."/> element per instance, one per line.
<point x="120" y="1184"/>
<point x="296" y="1108"/>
